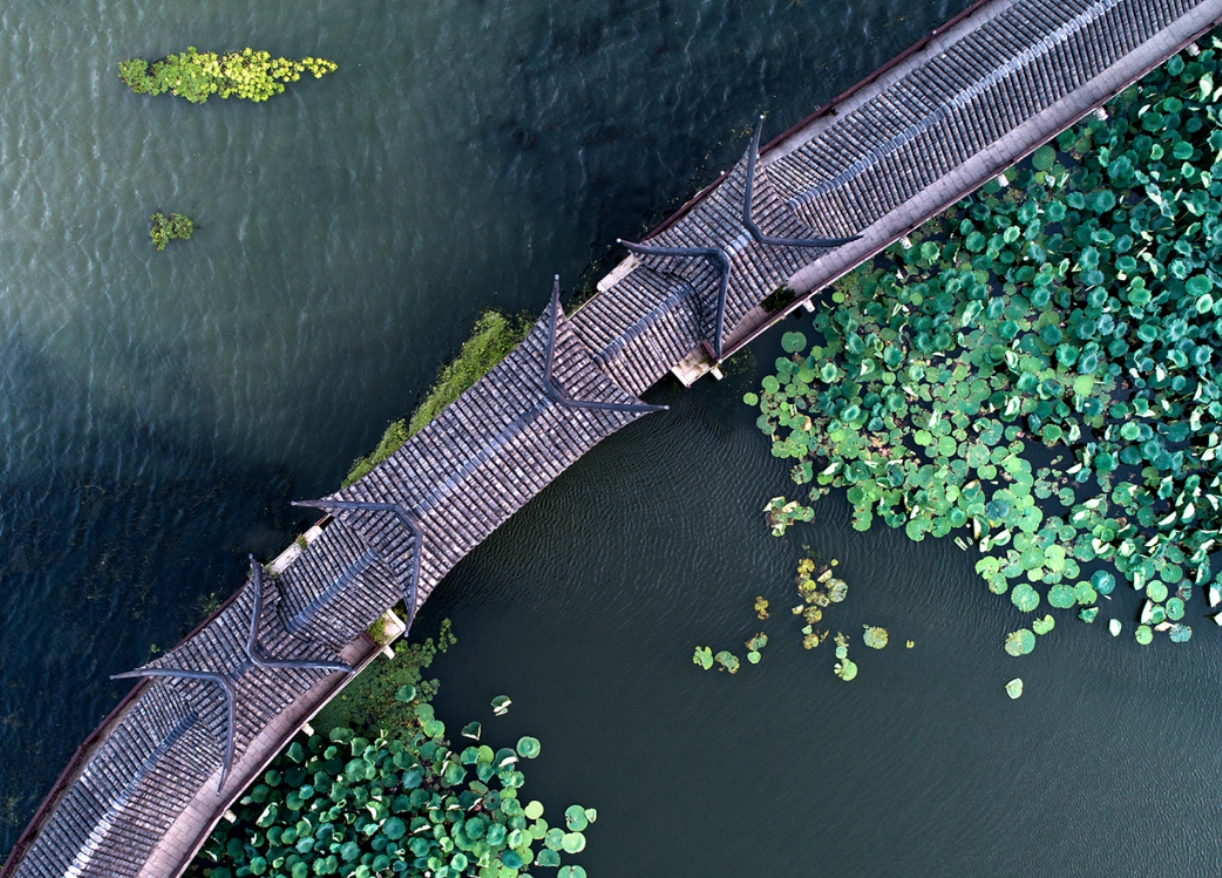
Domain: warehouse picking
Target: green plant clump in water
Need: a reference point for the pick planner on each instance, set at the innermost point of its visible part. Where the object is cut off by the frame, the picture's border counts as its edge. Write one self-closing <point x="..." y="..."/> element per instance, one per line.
<point x="1078" y="307"/>
<point x="353" y="806"/>
<point x="196" y="76"/>
<point x="178" y="227"/>
<point x="374" y="700"/>
<point x="492" y="338"/>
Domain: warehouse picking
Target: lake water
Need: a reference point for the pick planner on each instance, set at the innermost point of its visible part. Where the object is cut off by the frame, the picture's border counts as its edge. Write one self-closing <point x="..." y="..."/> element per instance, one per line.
<point x="159" y="410"/>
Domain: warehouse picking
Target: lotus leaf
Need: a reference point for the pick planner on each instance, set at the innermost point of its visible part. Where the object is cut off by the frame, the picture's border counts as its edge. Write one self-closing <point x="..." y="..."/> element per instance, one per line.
<point x="875" y="638"/>
<point x="472" y="730"/>
<point x="1044" y="625"/>
<point x="1115" y="627"/>
<point x="1144" y="634"/>
<point x="1015" y="688"/>
<point x="500" y="705"/>
<point x="1156" y="591"/>
<point x="1025" y="597"/>
<point x="511" y="859"/>
<point x="1088" y="614"/>
<point x="1180" y="633"/>
<point x="793" y="342"/>
<point x="571" y="872"/>
<point x="1103" y="581"/>
<point x="1020" y="642"/>
<point x="547" y="859"/>
<point x="405" y="693"/>
<point x="703" y="657"/>
<point x="1175" y="609"/>
<point x="846" y="670"/>
<point x="575" y="818"/>
<point x="528" y="747"/>
<point x="1062" y="597"/>
<point x="728" y="661"/>
<point x="573" y="842"/>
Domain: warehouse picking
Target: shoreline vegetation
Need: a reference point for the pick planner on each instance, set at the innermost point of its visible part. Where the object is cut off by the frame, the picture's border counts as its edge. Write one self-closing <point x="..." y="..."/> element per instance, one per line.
<point x="250" y="75"/>
<point x="178" y="227"/>
<point x="1035" y="372"/>
<point x="494" y="335"/>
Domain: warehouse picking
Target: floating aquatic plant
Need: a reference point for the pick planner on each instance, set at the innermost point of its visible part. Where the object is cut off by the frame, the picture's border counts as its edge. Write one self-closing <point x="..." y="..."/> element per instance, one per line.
<point x="351" y="806"/>
<point x="875" y="638"/>
<point x="1020" y="642"/>
<point x="1074" y="312"/>
<point x="703" y="657"/>
<point x="754" y="645"/>
<point x="500" y="705"/>
<point x="761" y="608"/>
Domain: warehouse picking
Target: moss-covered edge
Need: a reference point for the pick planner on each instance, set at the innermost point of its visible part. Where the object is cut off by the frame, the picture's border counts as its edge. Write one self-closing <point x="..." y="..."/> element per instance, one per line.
<point x="494" y="335"/>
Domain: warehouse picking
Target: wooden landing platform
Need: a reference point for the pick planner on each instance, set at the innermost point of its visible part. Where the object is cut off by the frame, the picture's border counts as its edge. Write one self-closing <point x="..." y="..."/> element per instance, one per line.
<point x="1019" y="143"/>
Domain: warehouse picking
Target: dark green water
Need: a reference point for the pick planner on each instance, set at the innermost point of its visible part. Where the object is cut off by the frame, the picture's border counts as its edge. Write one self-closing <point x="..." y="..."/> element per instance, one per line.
<point x="158" y="412"/>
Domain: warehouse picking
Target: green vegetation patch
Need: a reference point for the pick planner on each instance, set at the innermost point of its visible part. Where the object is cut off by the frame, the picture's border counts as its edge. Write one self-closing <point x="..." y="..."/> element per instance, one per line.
<point x="196" y="76"/>
<point x="495" y="334"/>
<point x="178" y="227"/>
<point x="347" y="805"/>
<point x="374" y="700"/>
<point x="1036" y="371"/>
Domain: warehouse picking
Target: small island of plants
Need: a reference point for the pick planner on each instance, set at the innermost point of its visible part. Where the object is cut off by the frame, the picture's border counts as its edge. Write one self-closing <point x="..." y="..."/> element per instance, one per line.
<point x="194" y="75"/>
<point x="178" y="227"/>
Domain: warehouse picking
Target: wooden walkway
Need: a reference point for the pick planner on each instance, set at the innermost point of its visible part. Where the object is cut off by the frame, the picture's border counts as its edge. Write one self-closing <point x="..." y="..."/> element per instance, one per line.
<point x="144" y="790"/>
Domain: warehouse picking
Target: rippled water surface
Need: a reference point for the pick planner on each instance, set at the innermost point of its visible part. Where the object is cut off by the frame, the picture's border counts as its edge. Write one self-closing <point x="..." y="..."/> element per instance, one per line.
<point x="159" y="410"/>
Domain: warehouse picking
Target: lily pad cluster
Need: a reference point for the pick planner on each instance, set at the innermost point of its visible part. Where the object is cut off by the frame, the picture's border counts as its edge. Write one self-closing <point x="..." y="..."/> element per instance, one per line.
<point x="819" y="589"/>
<point x="355" y="807"/>
<point x="1070" y="310"/>
<point x="845" y="668"/>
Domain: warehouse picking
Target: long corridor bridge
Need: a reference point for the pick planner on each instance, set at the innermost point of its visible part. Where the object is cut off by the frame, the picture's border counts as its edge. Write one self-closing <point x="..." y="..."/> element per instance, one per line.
<point x="143" y="792"/>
